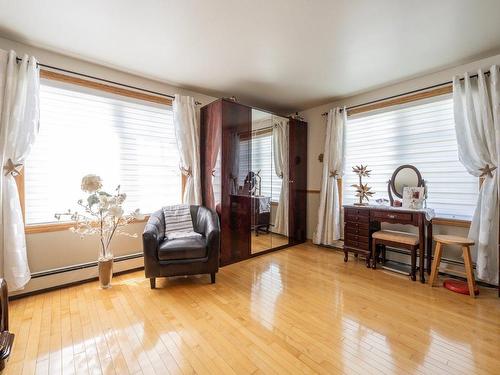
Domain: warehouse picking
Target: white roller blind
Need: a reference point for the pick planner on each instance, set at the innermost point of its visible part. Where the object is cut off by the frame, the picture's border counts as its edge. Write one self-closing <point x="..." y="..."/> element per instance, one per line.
<point x="82" y="131"/>
<point x="262" y="160"/>
<point x="421" y="134"/>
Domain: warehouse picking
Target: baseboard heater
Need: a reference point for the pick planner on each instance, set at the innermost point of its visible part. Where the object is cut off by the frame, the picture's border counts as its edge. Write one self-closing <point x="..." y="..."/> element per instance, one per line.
<point x="82" y="266"/>
<point x="404" y="268"/>
<point x="45" y="281"/>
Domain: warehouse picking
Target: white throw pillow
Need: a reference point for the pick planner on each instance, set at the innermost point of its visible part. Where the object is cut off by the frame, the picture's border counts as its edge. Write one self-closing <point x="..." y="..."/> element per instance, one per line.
<point x="178" y="222"/>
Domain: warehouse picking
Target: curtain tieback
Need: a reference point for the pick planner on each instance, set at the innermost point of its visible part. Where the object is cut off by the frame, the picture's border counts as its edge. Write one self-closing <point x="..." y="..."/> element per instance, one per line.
<point x="186" y="172"/>
<point x="486" y="171"/>
<point x="12" y="169"/>
<point x="233" y="177"/>
<point x="333" y="174"/>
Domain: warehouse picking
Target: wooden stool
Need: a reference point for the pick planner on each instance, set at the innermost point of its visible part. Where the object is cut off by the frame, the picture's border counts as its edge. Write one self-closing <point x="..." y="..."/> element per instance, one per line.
<point x="396" y="239"/>
<point x="441" y="240"/>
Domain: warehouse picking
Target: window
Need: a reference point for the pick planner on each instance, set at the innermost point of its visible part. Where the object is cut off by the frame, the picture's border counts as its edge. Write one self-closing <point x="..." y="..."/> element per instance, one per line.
<point x="263" y="161"/>
<point x="422" y="134"/>
<point x="124" y="140"/>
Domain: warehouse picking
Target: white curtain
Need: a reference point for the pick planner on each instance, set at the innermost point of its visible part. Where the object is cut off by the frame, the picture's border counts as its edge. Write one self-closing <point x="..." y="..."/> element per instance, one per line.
<point x="187" y="132"/>
<point x="328" y="228"/>
<point x="19" y="122"/>
<point x="280" y="146"/>
<point x="477" y="123"/>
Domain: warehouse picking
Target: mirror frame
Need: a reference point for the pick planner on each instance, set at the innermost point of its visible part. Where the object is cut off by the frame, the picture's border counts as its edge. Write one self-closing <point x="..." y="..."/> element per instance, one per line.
<point x="391" y="183"/>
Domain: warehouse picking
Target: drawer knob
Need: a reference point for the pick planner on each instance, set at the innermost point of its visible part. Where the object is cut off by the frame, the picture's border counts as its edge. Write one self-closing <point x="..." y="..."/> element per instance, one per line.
<point x="391" y="216"/>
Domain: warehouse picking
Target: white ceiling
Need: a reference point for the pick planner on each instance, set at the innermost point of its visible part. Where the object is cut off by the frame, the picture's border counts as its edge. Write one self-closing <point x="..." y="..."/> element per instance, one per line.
<point x="279" y="54"/>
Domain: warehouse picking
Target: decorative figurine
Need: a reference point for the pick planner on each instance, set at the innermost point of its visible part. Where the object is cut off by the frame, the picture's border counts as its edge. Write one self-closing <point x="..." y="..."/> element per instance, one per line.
<point x="362" y="190"/>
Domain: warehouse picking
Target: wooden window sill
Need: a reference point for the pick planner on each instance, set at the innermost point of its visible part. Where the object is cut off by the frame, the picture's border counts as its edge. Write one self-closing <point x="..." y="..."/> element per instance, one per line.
<point x="451" y="222"/>
<point x="56" y="227"/>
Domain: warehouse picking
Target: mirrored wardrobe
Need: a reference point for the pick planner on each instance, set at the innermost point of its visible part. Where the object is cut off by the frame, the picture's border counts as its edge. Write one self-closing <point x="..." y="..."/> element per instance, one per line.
<point x="268" y="180"/>
<point x="253" y="166"/>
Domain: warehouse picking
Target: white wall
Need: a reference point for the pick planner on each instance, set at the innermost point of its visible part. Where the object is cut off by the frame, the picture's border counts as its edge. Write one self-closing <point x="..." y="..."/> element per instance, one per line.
<point x="52" y="250"/>
<point x="317" y="131"/>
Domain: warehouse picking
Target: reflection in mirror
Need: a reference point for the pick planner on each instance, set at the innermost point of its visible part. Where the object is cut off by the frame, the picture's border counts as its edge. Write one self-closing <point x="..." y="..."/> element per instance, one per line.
<point x="259" y="180"/>
<point x="238" y="163"/>
<point x="280" y="182"/>
<point x="267" y="181"/>
<point x="406" y="177"/>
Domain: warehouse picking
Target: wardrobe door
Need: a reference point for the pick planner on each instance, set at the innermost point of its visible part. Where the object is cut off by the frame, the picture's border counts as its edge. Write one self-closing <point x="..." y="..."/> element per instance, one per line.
<point x="280" y="186"/>
<point x="260" y="180"/>
<point x="235" y="200"/>
<point x="297" y="181"/>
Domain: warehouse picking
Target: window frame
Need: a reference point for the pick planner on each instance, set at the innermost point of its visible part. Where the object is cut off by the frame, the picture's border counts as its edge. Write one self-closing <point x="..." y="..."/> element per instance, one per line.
<point x="50" y="75"/>
<point x="443" y="90"/>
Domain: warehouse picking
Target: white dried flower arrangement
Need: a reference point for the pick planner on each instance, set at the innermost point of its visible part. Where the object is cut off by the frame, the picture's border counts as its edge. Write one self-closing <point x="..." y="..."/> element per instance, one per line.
<point x="102" y="214"/>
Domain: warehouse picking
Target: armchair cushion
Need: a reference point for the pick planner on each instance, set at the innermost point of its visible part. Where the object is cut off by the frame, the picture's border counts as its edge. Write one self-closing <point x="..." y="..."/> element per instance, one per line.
<point x="183" y="248"/>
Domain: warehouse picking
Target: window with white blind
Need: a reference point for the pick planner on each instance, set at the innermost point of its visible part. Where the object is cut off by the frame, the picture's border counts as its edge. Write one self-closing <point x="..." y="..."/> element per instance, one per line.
<point x="263" y="162"/>
<point x="422" y="134"/>
<point x="123" y="140"/>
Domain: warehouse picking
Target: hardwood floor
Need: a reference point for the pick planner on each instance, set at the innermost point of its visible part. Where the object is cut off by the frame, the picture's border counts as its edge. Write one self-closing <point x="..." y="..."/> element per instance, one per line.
<point x="299" y="310"/>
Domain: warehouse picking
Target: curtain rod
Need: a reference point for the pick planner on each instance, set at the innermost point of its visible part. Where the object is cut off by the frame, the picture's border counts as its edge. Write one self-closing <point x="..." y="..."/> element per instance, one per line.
<point x="18" y="59"/>
<point x="404" y="94"/>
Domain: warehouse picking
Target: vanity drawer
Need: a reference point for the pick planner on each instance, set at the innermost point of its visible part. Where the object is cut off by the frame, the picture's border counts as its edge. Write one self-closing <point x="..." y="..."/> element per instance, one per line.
<point x="357" y="218"/>
<point x="401" y="217"/>
<point x="357" y="237"/>
<point x="357" y="244"/>
<point x="356" y="212"/>
<point x="356" y="228"/>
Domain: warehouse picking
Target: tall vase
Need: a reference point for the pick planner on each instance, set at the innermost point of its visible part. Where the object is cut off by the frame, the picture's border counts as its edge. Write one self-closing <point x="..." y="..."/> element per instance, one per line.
<point x="105" y="267"/>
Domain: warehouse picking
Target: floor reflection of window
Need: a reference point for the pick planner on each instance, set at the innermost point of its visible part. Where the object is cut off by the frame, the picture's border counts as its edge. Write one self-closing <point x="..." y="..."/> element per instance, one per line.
<point x="266" y="291"/>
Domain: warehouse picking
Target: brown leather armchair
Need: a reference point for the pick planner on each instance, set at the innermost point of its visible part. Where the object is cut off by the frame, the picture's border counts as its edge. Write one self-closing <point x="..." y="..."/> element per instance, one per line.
<point x="182" y="256"/>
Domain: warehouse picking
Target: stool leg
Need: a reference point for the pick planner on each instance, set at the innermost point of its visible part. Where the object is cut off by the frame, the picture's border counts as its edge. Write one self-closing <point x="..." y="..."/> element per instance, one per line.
<point x="471" y="283"/>
<point x="421" y="262"/>
<point x="374" y="253"/>
<point x="435" y="264"/>
<point x="413" y="264"/>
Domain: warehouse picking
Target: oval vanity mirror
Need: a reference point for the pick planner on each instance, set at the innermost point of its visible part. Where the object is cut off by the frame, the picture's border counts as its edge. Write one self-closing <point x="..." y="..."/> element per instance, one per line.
<point x="404" y="176"/>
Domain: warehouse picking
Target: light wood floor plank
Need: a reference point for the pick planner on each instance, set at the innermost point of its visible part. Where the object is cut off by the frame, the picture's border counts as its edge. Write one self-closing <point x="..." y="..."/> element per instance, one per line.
<point x="297" y="311"/>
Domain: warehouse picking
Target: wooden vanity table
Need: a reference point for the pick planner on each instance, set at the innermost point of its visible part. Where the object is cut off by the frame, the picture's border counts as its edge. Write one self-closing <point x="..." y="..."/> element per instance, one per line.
<point x="361" y="221"/>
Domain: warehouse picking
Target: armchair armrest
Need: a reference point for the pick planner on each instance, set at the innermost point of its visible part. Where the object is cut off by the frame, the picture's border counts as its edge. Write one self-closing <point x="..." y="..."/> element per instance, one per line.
<point x="207" y="223"/>
<point x="212" y="234"/>
<point x="153" y="234"/>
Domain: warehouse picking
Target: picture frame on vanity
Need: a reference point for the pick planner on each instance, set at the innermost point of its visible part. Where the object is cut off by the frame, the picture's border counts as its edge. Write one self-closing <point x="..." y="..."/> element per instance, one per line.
<point x="413" y="197"/>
